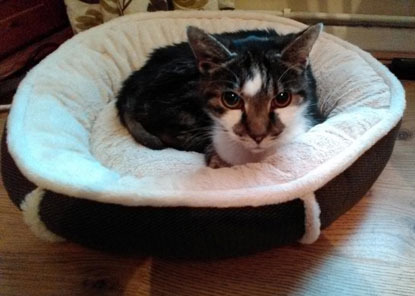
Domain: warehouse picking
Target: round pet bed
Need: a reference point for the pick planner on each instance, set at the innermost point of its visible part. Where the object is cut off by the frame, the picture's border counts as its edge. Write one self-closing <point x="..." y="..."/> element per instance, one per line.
<point x="78" y="175"/>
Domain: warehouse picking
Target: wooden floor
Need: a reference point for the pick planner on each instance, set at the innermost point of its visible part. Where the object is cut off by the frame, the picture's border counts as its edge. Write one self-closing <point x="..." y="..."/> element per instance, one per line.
<point x="368" y="251"/>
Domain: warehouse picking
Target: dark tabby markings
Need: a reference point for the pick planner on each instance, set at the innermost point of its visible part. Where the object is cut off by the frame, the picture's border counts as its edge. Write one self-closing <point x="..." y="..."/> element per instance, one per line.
<point x="174" y="100"/>
<point x="215" y="106"/>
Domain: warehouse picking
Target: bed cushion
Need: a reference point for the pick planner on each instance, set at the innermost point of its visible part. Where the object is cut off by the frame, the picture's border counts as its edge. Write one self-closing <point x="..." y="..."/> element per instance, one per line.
<point x="86" y="179"/>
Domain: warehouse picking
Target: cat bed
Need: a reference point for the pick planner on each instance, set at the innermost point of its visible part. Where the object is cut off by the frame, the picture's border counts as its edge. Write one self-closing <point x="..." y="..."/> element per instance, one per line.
<point x="78" y="175"/>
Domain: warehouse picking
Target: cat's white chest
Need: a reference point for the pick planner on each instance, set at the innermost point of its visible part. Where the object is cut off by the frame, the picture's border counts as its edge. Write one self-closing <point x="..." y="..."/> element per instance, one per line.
<point x="235" y="153"/>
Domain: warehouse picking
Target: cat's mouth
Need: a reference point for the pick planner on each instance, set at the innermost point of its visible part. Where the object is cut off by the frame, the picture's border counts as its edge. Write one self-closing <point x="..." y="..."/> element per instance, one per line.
<point x="255" y="147"/>
<point x="258" y="149"/>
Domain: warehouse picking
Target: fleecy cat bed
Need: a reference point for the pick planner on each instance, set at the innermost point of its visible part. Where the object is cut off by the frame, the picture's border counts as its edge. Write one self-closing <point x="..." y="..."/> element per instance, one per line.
<point x="77" y="174"/>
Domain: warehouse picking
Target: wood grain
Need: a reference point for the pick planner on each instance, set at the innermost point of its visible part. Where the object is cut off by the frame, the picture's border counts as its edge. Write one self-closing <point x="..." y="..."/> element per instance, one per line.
<point x="368" y="251"/>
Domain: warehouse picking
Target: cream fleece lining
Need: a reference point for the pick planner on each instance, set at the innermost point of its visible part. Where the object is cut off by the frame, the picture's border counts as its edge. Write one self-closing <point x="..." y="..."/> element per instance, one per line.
<point x="61" y="126"/>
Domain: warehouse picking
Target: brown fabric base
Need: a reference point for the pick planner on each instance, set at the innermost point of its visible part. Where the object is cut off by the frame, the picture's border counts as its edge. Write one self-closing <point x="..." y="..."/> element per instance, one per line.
<point x="343" y="192"/>
<point x="179" y="232"/>
<point x="16" y="184"/>
<point x="173" y="232"/>
<point x="196" y="232"/>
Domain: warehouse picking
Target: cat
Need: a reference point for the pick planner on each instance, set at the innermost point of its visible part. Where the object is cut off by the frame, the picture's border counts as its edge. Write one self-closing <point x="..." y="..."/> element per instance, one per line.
<point x="234" y="96"/>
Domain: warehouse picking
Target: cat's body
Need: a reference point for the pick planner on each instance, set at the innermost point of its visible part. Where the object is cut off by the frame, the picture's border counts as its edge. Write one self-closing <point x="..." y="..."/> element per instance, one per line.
<point x="234" y="96"/>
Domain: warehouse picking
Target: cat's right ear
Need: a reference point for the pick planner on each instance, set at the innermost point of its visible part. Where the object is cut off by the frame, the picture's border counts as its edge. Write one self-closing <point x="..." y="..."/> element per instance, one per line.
<point x="296" y="54"/>
<point x="209" y="52"/>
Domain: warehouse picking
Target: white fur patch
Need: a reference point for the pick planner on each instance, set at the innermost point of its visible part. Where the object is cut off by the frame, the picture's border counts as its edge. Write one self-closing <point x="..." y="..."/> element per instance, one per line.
<point x="229" y="145"/>
<point x="312" y="219"/>
<point x="293" y="117"/>
<point x="232" y="151"/>
<point x="30" y="208"/>
<point x="231" y="118"/>
<point x="253" y="86"/>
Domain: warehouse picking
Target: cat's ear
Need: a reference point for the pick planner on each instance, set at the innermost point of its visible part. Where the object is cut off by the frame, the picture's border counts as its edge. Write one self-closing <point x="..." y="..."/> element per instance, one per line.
<point x="296" y="53"/>
<point x="209" y="52"/>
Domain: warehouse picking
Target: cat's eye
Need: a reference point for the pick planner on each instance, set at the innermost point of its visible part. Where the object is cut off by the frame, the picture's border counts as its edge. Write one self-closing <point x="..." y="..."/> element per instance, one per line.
<point x="281" y="100"/>
<point x="231" y="100"/>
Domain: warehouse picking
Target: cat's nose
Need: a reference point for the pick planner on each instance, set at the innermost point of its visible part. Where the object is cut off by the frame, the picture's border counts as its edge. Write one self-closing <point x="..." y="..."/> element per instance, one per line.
<point x="258" y="139"/>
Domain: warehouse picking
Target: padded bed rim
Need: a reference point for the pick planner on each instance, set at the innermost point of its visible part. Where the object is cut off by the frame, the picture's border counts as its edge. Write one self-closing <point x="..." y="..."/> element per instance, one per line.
<point x="300" y="187"/>
<point x="92" y="229"/>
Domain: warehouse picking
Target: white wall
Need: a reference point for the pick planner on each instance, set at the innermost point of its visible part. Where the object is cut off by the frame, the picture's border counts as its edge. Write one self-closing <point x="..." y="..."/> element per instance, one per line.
<point x="379" y="7"/>
<point x="372" y="38"/>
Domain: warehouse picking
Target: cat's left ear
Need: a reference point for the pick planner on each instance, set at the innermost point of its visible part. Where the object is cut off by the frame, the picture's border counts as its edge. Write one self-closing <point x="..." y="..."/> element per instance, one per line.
<point x="209" y="52"/>
<point x="297" y="52"/>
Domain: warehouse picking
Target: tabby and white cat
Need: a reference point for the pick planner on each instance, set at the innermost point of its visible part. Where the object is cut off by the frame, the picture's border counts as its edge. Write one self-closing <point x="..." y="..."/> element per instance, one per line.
<point x="234" y="96"/>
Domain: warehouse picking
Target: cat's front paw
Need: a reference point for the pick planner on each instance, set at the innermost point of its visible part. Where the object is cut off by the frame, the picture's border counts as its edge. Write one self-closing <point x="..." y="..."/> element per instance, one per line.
<point x="215" y="162"/>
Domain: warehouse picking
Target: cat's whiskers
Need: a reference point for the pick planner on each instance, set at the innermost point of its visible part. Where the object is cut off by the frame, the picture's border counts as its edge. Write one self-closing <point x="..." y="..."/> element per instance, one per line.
<point x="233" y="140"/>
<point x="204" y="128"/>
<point x="196" y="138"/>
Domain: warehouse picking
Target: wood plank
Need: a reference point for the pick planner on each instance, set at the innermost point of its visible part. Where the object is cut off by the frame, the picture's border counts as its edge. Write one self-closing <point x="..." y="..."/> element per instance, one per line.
<point x="389" y="55"/>
<point x="368" y="251"/>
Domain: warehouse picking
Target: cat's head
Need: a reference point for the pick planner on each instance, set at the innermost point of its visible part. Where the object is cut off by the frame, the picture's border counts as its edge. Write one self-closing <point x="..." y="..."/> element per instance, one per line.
<point x="256" y="86"/>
